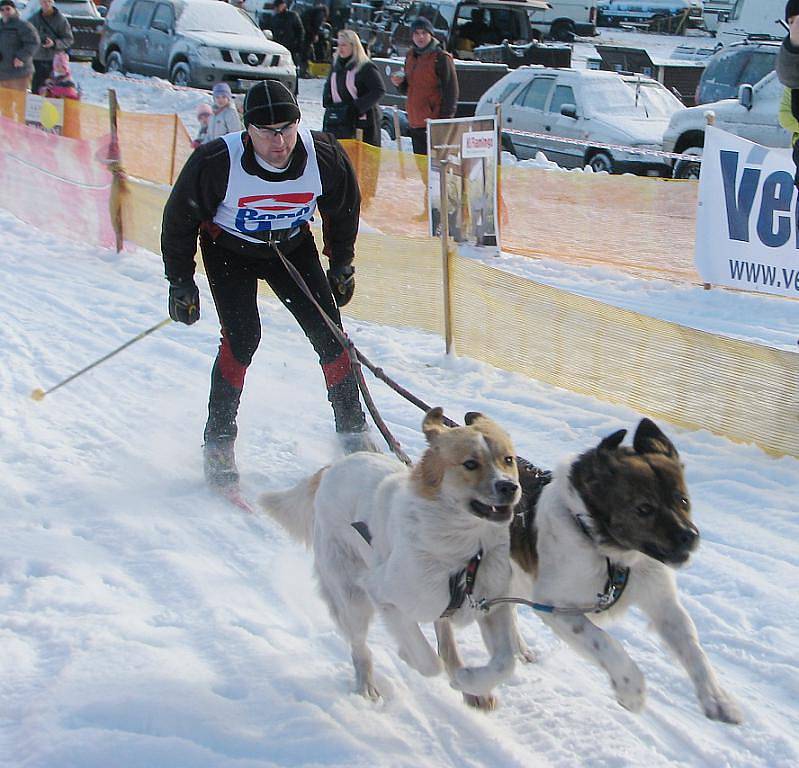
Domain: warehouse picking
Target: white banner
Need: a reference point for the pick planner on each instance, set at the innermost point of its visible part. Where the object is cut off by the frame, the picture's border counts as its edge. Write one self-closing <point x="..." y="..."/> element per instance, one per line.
<point x="746" y="227"/>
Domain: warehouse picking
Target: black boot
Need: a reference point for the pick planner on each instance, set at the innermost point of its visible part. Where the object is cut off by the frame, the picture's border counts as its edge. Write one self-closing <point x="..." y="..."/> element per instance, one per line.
<point x="353" y="431"/>
<point x="219" y="461"/>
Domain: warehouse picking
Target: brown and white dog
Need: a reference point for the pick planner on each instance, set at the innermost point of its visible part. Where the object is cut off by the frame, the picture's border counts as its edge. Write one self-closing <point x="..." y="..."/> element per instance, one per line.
<point x="402" y="541"/>
<point x="611" y="509"/>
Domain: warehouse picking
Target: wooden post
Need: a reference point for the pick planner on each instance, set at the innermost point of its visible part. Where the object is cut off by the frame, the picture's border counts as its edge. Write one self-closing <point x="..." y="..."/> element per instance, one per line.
<point x="710" y="119"/>
<point x="397" y="130"/>
<point x="117" y="173"/>
<point x="444" y="209"/>
<point x="498" y="211"/>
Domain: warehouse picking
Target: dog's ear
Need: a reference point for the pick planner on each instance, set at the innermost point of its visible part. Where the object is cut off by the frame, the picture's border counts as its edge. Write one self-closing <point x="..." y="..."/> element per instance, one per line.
<point x="611" y="442"/>
<point x="649" y="439"/>
<point x="471" y="417"/>
<point x="433" y="423"/>
<point x="431" y="468"/>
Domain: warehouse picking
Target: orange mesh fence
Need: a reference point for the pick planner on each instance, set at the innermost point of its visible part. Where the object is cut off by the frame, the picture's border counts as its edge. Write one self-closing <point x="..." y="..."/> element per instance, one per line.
<point x="68" y="173"/>
<point x="637" y="224"/>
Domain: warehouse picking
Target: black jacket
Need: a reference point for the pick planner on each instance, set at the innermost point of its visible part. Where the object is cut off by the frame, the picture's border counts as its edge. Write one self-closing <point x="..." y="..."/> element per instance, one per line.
<point x="370" y="89"/>
<point x="202" y="184"/>
<point x="287" y="29"/>
<point x="57" y="28"/>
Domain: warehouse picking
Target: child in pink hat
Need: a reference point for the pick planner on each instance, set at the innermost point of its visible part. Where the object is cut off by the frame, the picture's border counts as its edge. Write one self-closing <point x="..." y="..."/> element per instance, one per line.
<point x="204" y="112"/>
<point x="60" y="84"/>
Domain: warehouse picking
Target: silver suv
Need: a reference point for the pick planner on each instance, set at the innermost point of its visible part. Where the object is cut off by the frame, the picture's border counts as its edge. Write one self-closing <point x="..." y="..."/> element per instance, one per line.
<point x="191" y="42"/>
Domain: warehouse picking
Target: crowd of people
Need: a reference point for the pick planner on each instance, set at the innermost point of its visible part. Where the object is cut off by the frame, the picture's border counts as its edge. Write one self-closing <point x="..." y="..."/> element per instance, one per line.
<point x="33" y="54"/>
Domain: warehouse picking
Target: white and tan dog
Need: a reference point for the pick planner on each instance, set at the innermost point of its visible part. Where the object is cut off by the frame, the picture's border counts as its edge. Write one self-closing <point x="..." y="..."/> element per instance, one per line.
<point x="615" y="514"/>
<point x="400" y="541"/>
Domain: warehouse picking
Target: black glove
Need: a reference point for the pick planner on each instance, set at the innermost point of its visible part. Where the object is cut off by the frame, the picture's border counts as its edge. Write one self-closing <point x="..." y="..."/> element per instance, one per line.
<point x="342" y="283"/>
<point x="184" y="301"/>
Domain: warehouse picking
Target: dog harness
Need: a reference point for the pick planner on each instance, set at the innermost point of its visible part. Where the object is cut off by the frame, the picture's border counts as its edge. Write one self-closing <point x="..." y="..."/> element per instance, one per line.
<point x="461" y="583"/>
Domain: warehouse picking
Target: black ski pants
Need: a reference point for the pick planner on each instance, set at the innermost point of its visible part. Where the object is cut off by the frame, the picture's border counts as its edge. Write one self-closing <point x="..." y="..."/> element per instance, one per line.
<point x="233" y="278"/>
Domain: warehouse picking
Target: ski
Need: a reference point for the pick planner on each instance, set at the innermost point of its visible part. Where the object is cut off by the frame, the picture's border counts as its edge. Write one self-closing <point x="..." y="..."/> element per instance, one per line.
<point x="235" y="497"/>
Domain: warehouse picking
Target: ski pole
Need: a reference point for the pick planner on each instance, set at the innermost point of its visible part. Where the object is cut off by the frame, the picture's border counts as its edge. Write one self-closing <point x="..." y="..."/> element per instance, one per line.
<point x="39" y="394"/>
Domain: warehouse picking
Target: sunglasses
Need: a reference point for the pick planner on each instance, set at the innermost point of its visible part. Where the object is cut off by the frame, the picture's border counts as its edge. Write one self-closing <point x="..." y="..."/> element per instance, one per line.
<point x="273" y="133"/>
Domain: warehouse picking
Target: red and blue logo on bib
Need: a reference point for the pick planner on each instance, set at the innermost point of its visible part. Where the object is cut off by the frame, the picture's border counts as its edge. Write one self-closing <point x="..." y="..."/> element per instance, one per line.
<point x="262" y="213"/>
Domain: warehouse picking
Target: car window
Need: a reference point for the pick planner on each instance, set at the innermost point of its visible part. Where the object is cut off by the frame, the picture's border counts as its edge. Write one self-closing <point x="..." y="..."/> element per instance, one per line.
<point x="216" y="17"/>
<point x="82" y="8"/>
<point x="507" y="23"/>
<point x="535" y="95"/>
<point x="564" y="94"/>
<point x="163" y="13"/>
<point x="141" y="13"/>
<point x="723" y="74"/>
<point x="759" y="65"/>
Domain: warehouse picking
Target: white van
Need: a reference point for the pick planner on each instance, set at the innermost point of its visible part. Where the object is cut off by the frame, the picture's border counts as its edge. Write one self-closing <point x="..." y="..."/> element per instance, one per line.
<point x="753" y="17"/>
<point x="567" y="18"/>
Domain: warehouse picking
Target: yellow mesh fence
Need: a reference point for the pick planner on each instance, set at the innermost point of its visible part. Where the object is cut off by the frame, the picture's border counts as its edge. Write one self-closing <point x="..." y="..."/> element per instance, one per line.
<point x="742" y="391"/>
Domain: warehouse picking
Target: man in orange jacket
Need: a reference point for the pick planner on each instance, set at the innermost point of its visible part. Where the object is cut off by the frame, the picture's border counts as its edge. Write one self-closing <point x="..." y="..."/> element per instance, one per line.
<point x="429" y="82"/>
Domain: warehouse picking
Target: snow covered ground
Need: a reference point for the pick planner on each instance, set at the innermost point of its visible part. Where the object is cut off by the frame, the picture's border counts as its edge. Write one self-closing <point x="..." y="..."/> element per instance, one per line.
<point x="144" y="622"/>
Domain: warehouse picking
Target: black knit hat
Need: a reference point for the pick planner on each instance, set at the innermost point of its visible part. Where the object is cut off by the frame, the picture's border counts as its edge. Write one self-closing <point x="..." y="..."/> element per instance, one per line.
<point x="791" y="9"/>
<point x="269" y="102"/>
<point x="422" y="22"/>
<point x="8" y="2"/>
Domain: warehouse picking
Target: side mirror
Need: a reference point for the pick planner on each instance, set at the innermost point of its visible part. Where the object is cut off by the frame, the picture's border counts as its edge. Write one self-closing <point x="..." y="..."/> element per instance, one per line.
<point x="161" y="26"/>
<point x="746" y="95"/>
<point x="569" y="110"/>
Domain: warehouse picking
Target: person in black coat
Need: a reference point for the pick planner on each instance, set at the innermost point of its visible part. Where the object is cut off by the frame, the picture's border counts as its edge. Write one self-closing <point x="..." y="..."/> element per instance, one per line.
<point x="287" y="29"/>
<point x="353" y="82"/>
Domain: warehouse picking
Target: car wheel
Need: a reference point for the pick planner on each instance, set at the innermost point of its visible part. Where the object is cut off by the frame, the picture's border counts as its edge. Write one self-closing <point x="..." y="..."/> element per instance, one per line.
<point x="114" y="63"/>
<point x="601" y="161"/>
<point x="180" y="74"/>
<point x="685" y="169"/>
<point x="563" y="32"/>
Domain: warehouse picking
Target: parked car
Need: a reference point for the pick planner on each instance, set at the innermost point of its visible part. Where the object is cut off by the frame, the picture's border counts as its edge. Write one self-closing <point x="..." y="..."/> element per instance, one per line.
<point x="614" y="12"/>
<point x="503" y="19"/>
<point x="587" y="105"/>
<point x="567" y="18"/>
<point x="750" y="18"/>
<point x="191" y="42"/>
<point x="752" y="115"/>
<point x="732" y="66"/>
<point x="85" y="20"/>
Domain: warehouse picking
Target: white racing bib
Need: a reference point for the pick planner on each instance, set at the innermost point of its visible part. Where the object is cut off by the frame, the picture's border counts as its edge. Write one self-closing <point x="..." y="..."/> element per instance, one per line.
<point x="253" y="206"/>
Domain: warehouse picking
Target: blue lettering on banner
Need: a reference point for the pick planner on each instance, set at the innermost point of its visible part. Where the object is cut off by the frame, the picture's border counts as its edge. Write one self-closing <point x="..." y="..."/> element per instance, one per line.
<point x="249" y="220"/>
<point x="777" y="196"/>
<point x="738" y="206"/>
<point x="773" y="229"/>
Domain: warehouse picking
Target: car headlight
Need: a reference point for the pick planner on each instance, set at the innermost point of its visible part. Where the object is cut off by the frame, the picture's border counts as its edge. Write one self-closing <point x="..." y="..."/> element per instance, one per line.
<point x="208" y="53"/>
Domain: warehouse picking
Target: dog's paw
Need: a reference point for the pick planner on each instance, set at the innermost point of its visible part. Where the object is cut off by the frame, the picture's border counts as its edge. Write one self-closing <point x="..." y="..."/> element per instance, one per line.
<point x="484" y="703"/>
<point x="630" y="689"/>
<point x="527" y="655"/>
<point x="477" y="681"/>
<point x="722" y="707"/>
<point x="369" y="691"/>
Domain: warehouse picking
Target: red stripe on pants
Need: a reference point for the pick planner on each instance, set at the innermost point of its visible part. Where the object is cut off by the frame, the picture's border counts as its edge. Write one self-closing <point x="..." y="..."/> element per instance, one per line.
<point x="337" y="370"/>
<point x="231" y="369"/>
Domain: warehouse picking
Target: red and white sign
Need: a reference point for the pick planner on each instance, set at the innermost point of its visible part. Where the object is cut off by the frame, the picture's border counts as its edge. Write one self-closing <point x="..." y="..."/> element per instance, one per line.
<point x="479" y="144"/>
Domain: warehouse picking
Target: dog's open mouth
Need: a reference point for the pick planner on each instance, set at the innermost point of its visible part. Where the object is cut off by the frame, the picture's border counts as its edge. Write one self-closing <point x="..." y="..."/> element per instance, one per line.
<point x="497" y="514"/>
<point x="672" y="557"/>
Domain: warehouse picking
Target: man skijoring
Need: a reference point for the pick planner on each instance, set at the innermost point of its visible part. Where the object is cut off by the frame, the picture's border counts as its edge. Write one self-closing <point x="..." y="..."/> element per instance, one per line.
<point x="243" y="192"/>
